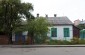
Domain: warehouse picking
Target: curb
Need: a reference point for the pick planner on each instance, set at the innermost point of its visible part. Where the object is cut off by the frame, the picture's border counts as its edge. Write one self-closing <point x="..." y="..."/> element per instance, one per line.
<point x="38" y="46"/>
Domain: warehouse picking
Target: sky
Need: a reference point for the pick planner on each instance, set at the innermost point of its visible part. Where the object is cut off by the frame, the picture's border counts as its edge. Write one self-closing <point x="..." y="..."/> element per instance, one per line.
<point x="73" y="9"/>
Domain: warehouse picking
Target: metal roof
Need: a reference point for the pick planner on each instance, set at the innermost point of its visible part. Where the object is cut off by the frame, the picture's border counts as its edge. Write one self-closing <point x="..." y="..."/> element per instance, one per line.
<point x="59" y="20"/>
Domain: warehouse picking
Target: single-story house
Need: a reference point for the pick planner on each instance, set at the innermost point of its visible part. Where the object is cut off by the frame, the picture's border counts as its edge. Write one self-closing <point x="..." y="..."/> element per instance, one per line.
<point x="62" y="28"/>
<point x="19" y="38"/>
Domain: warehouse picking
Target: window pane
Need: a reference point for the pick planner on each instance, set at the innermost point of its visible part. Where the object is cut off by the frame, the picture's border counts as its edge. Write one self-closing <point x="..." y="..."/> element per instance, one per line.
<point x="66" y="32"/>
<point x="53" y="32"/>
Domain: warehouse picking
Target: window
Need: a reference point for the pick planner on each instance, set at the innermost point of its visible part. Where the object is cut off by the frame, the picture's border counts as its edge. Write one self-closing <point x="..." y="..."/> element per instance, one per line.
<point x="53" y="32"/>
<point x="66" y="32"/>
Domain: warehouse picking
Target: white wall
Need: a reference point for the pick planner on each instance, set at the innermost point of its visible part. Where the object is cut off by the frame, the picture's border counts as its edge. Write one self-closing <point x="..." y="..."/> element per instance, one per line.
<point x="23" y="33"/>
<point x="13" y="36"/>
<point x="60" y="32"/>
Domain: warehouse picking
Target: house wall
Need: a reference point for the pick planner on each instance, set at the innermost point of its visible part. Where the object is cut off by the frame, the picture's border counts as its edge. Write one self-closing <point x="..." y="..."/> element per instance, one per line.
<point x="19" y="38"/>
<point x="23" y="33"/>
<point x="76" y="22"/>
<point x="76" y="32"/>
<point x="60" y="32"/>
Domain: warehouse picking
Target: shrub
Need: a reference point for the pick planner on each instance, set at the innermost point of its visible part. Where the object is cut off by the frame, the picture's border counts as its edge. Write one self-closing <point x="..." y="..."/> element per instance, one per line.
<point x="75" y="40"/>
<point x="40" y="39"/>
<point x="52" y="42"/>
<point x="48" y="41"/>
<point x="65" y="42"/>
<point x="81" y="41"/>
<point x="59" y="42"/>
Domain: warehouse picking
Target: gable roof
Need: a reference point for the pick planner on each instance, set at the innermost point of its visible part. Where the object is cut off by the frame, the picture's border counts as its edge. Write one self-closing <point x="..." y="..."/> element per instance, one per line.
<point x="59" y="20"/>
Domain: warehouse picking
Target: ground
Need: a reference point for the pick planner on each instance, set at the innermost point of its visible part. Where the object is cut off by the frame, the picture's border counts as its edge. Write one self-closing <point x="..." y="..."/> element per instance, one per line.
<point x="43" y="51"/>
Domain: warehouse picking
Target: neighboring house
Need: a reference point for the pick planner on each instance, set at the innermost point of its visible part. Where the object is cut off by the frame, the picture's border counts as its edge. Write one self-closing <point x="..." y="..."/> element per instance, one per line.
<point x="19" y="38"/>
<point x="82" y="34"/>
<point x="62" y="28"/>
<point x="76" y="32"/>
<point x="77" y="22"/>
<point x="80" y="24"/>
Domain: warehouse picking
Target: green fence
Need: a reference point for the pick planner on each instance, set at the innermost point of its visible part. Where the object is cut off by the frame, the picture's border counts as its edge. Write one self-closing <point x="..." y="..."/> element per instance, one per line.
<point x="82" y="34"/>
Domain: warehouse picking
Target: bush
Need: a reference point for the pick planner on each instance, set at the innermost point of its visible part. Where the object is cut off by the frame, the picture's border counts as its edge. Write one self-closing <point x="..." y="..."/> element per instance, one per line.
<point x="59" y="42"/>
<point x="65" y="42"/>
<point x="81" y="41"/>
<point x="52" y="42"/>
<point x="40" y="39"/>
<point x="75" y="40"/>
<point x="48" y="41"/>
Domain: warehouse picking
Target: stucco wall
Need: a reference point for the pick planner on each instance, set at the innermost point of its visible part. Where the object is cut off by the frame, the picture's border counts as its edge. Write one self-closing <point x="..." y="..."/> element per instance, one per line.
<point x="60" y="32"/>
<point x="23" y="33"/>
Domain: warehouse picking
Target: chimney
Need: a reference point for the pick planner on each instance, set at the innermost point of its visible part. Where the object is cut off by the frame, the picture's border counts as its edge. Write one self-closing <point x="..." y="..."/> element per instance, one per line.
<point x="54" y="15"/>
<point x="46" y="15"/>
<point x="82" y="20"/>
<point x="38" y="15"/>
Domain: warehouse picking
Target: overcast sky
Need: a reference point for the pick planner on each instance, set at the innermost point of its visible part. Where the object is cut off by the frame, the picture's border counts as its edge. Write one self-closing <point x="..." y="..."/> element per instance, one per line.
<point x="73" y="9"/>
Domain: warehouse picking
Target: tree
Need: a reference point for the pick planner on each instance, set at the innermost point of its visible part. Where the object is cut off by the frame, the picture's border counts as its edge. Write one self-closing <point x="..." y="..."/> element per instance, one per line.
<point x="11" y="14"/>
<point x="37" y="27"/>
<point x="81" y="26"/>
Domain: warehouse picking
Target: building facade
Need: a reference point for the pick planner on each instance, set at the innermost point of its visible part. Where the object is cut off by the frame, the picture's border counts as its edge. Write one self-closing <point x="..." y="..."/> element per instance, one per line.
<point x="62" y="32"/>
<point x="62" y="28"/>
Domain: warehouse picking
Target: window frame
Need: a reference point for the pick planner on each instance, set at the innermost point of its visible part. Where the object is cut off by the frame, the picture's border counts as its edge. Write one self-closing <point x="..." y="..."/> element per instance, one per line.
<point x="55" y="32"/>
<point x="66" y="32"/>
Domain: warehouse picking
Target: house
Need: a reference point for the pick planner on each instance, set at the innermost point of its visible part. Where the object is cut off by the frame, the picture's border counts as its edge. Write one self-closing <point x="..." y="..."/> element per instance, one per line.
<point x="19" y="38"/>
<point x="62" y="28"/>
<point x="81" y="25"/>
<point x="77" y="22"/>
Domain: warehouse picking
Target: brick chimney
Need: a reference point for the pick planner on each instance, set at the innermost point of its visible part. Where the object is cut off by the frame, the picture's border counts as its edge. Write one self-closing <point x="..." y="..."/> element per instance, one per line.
<point x="38" y="15"/>
<point x="46" y="16"/>
<point x="82" y="20"/>
<point x="55" y="15"/>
